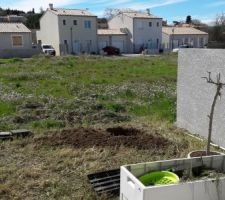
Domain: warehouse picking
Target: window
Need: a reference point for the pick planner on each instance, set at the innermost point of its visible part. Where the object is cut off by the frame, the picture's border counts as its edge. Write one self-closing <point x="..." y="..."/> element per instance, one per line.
<point x="74" y="22"/>
<point x="87" y="24"/>
<point x="150" y="24"/>
<point x="157" y="24"/>
<point x="64" y="22"/>
<point x="17" y="41"/>
<point x="201" y="42"/>
<point x="65" y="41"/>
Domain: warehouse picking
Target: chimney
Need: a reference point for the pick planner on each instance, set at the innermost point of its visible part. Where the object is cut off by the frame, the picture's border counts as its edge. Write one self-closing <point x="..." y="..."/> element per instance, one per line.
<point x="51" y="6"/>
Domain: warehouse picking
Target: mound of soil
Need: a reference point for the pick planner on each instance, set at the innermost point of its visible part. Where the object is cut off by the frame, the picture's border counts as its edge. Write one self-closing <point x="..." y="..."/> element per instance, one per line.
<point x="120" y="131"/>
<point x="112" y="137"/>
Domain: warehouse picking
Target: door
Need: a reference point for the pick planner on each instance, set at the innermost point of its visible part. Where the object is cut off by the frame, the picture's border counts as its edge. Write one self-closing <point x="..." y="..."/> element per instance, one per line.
<point x="76" y="47"/>
<point x="88" y="46"/>
<point x="102" y="44"/>
<point x="150" y="44"/>
<point x="118" y="44"/>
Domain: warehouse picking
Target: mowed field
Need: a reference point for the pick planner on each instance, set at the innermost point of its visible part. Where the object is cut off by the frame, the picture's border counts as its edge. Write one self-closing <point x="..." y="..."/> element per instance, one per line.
<point x="88" y="114"/>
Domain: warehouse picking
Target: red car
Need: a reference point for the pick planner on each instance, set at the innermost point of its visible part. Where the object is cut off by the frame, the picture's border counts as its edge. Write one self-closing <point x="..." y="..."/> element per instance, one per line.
<point x="111" y="50"/>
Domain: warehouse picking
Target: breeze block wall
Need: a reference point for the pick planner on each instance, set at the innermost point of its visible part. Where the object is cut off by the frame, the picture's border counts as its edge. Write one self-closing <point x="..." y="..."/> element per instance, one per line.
<point x="195" y="95"/>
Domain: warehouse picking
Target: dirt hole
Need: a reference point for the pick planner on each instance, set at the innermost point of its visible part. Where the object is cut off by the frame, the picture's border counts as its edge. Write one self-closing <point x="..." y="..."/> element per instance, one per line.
<point x="120" y="131"/>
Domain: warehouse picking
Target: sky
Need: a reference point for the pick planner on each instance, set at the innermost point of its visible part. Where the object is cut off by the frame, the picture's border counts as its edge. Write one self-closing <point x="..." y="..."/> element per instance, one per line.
<point x="170" y="10"/>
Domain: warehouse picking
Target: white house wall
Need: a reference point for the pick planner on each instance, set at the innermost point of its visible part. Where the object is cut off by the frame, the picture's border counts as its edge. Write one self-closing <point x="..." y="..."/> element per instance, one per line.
<point x="111" y="40"/>
<point x="124" y="22"/>
<point x="182" y="39"/>
<point x="6" y="41"/>
<point x="166" y="41"/>
<point x="79" y="34"/>
<point x="147" y="35"/>
<point x="7" y="50"/>
<point x="49" y="31"/>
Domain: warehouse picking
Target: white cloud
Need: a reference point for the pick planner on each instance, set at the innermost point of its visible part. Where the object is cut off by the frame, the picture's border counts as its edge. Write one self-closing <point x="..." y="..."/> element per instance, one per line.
<point x="27" y="5"/>
<point x="160" y="3"/>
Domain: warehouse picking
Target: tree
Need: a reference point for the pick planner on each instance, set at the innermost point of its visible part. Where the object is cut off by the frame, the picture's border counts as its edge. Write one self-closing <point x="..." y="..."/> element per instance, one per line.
<point x="33" y="21"/>
<point x="220" y="19"/>
<point x="176" y="23"/>
<point x="188" y="19"/>
<point x="219" y="85"/>
<point x="218" y="31"/>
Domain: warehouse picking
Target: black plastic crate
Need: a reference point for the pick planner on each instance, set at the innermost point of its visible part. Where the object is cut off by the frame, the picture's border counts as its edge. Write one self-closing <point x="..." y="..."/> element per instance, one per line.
<point x="106" y="182"/>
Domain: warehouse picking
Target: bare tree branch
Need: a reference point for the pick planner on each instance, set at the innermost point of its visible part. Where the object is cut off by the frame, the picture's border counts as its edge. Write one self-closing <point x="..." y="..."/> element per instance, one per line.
<point x="219" y="86"/>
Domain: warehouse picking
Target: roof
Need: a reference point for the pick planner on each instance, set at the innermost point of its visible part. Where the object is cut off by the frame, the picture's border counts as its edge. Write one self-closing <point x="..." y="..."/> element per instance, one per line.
<point x="110" y="32"/>
<point x="182" y="31"/>
<point x="71" y="12"/>
<point x="13" y="28"/>
<point x="141" y="15"/>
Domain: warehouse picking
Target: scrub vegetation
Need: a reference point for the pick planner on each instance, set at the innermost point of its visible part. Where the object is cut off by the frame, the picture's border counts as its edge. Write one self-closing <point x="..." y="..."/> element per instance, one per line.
<point x="71" y="104"/>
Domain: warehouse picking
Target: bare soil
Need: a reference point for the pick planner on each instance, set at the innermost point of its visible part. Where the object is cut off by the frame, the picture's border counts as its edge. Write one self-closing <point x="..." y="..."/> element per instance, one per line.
<point x="203" y="153"/>
<point x="111" y="137"/>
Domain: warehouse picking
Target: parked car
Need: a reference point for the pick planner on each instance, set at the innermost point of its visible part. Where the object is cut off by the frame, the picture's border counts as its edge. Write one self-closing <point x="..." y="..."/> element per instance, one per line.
<point x="181" y="47"/>
<point x="48" y="49"/>
<point x="111" y="50"/>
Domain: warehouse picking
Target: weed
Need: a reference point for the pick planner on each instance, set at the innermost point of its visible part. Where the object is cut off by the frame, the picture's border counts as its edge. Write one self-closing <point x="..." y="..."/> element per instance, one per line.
<point x="53" y="93"/>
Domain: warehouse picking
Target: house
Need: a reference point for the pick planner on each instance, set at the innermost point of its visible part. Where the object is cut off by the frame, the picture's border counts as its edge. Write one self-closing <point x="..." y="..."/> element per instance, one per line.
<point x="15" y="40"/>
<point x="173" y="37"/>
<point x="13" y="18"/>
<point x="143" y="30"/>
<point x="112" y="37"/>
<point x="69" y="31"/>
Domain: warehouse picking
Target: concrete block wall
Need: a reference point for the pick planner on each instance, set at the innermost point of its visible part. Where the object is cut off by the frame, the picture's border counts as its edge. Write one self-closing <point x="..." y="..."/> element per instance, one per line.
<point x="195" y="95"/>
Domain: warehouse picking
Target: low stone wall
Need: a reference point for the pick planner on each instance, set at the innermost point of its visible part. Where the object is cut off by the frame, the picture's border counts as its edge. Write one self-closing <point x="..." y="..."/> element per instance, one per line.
<point x="19" y="53"/>
<point x="195" y="95"/>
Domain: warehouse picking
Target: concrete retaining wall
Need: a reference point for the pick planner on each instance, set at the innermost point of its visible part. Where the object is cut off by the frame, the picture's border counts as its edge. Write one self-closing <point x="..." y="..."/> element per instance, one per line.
<point x="195" y="95"/>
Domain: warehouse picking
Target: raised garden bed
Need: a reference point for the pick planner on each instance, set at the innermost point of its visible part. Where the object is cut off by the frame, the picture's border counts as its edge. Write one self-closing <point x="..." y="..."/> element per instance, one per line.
<point x="200" y="179"/>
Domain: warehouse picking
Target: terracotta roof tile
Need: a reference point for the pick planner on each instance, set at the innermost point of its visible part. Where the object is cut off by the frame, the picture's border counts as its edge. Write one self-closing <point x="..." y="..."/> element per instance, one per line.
<point x="182" y="31"/>
<point x="13" y="28"/>
<point x="71" y="12"/>
<point x="110" y="32"/>
<point x="141" y="15"/>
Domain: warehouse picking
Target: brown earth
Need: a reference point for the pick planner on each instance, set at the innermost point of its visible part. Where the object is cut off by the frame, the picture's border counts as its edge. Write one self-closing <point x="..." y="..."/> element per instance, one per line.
<point x="111" y="137"/>
<point x="202" y="154"/>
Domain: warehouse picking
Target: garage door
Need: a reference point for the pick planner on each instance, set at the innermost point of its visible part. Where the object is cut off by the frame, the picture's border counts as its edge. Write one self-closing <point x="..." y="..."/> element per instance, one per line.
<point x="102" y="44"/>
<point x="119" y="44"/>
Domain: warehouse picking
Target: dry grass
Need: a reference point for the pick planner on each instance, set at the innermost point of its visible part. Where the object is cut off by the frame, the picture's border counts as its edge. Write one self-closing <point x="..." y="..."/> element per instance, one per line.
<point x="31" y="171"/>
<point x="91" y="92"/>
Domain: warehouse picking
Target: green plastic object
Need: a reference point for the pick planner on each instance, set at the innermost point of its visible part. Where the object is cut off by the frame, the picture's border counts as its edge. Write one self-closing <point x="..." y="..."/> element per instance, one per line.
<point x="159" y="178"/>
